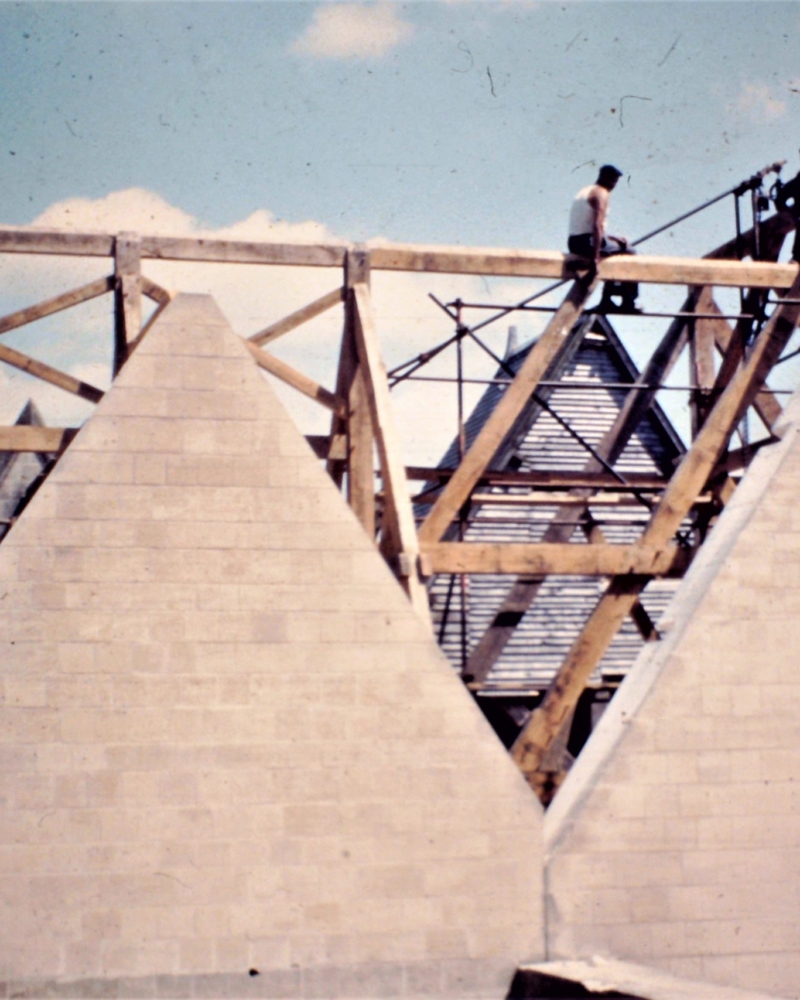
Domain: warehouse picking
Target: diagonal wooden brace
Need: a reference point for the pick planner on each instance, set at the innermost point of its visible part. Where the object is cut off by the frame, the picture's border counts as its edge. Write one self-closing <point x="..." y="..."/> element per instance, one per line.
<point x="684" y="487"/>
<point x="398" y="514"/>
<point x="502" y="420"/>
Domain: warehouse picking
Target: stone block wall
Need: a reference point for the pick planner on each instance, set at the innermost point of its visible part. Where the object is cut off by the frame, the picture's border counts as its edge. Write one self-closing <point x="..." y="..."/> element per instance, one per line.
<point x="232" y="761"/>
<point x="675" y="841"/>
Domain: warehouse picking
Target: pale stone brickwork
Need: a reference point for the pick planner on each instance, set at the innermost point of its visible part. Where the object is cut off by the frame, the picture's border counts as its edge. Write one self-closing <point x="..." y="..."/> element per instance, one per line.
<point x="675" y="841"/>
<point x="226" y="741"/>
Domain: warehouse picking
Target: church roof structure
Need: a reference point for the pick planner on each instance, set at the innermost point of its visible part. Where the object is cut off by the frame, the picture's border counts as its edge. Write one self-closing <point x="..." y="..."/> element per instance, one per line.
<point x="559" y="430"/>
<point x="234" y="759"/>
<point x="20" y="471"/>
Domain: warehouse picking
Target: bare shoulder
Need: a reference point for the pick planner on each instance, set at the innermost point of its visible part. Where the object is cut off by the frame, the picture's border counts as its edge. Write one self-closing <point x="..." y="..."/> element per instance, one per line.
<point x="598" y="196"/>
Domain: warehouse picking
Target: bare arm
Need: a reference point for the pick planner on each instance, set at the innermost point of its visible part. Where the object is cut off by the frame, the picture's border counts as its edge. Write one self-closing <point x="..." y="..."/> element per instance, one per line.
<point x="598" y="200"/>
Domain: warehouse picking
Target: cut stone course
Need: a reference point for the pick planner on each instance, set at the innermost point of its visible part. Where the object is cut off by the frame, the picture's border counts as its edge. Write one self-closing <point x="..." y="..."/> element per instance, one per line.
<point x="227" y="743"/>
<point x="675" y="840"/>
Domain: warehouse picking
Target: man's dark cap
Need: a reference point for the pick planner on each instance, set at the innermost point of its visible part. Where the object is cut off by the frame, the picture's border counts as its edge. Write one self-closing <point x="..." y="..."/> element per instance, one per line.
<point x="609" y="170"/>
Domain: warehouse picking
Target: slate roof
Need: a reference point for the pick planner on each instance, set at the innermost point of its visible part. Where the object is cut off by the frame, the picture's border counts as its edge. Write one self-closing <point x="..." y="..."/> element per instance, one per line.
<point x="20" y="471"/>
<point x="538" y="442"/>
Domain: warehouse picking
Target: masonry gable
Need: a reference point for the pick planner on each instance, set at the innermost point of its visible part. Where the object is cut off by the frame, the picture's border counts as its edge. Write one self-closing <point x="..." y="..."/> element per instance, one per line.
<point x="674" y="841"/>
<point x="233" y="759"/>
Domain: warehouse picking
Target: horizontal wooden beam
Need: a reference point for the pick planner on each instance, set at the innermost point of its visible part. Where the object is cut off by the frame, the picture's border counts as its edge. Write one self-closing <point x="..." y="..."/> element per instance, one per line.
<point x="543" y="558"/>
<point x="33" y="313"/>
<point x="173" y="248"/>
<point x="542" y="499"/>
<point x="54" y="242"/>
<point x="551" y="478"/>
<point x="24" y="437"/>
<point x="552" y="264"/>
<point x="240" y="252"/>
<point x="291" y="376"/>
<point x="420" y="258"/>
<point x="475" y="260"/>
<point x="297" y="318"/>
<point x="52" y="375"/>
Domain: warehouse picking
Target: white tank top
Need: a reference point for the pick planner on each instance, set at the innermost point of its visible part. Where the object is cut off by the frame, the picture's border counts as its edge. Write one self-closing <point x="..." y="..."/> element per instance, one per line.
<point x="581" y="215"/>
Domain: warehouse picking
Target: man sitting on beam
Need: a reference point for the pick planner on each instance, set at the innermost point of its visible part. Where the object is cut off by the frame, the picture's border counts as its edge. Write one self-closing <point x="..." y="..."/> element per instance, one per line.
<point x="588" y="238"/>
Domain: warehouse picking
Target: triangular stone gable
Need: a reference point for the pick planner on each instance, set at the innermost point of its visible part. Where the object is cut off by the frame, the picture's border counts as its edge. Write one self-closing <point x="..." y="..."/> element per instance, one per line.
<point x="232" y="760"/>
<point x="675" y="840"/>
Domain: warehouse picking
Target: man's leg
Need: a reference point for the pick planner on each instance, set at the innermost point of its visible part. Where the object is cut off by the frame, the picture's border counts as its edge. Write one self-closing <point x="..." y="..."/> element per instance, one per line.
<point x="627" y="291"/>
<point x="613" y="245"/>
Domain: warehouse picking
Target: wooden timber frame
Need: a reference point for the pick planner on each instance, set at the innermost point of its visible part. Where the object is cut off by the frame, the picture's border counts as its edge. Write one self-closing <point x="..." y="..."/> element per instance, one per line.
<point x="728" y="365"/>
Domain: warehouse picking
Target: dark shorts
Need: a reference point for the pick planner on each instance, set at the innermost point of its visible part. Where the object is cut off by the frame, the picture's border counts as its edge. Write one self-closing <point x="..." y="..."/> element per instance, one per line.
<point x="583" y="245"/>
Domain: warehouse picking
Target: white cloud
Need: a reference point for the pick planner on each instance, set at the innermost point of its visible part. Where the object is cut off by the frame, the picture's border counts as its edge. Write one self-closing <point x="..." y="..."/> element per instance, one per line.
<point x="757" y="101"/>
<point x="134" y="209"/>
<point x="141" y="211"/>
<point x="252" y="297"/>
<point x="353" y="31"/>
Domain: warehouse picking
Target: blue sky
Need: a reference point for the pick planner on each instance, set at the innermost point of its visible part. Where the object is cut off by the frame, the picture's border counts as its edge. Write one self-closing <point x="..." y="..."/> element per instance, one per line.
<point x="439" y="122"/>
<point x="433" y="122"/>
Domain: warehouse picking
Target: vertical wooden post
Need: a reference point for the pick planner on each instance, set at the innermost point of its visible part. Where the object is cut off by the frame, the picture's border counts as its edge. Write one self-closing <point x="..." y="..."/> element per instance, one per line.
<point x="765" y="404"/>
<point x="752" y="303"/>
<point x="701" y="362"/>
<point x="127" y="295"/>
<point x="360" y="435"/>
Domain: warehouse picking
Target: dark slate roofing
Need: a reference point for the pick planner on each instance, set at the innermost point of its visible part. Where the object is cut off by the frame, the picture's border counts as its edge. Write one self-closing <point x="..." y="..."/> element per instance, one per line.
<point x="19" y="470"/>
<point x="538" y="441"/>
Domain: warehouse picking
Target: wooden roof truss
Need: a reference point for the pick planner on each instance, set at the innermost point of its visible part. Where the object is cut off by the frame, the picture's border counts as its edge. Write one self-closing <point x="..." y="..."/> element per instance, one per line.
<point x="363" y="425"/>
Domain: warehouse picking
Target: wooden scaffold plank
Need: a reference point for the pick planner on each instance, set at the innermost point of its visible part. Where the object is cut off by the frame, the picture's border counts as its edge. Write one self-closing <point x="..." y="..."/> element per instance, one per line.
<point x="162" y="298"/>
<point x="42" y="241"/>
<point x="242" y="252"/>
<point x="153" y="291"/>
<point x="545" y="478"/>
